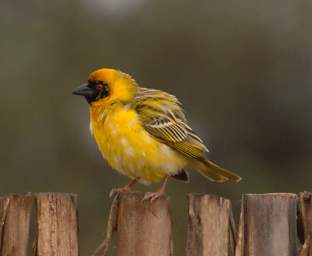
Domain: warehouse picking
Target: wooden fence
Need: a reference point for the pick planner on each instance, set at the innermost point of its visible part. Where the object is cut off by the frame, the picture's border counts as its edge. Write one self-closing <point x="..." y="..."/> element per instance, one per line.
<point x="269" y="225"/>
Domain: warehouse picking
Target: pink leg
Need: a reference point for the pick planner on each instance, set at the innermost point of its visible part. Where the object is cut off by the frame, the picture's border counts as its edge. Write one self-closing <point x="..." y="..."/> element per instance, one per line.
<point x="152" y="196"/>
<point x="125" y="189"/>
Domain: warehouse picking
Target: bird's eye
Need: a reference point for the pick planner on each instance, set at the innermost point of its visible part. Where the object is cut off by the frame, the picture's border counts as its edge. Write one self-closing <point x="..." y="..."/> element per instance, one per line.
<point x="99" y="87"/>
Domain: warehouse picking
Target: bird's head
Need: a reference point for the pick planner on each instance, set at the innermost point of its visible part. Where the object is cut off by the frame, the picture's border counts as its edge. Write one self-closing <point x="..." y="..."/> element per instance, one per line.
<point x="107" y="85"/>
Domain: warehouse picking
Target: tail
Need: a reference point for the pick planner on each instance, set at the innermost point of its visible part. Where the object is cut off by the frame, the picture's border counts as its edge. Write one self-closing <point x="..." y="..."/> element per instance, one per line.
<point x="216" y="173"/>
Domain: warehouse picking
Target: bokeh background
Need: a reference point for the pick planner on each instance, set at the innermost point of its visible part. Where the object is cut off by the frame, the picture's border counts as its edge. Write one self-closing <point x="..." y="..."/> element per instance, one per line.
<point x="242" y="69"/>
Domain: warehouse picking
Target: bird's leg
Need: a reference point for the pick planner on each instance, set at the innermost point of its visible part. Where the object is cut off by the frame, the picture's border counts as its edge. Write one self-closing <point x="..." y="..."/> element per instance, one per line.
<point x="152" y="196"/>
<point x="125" y="189"/>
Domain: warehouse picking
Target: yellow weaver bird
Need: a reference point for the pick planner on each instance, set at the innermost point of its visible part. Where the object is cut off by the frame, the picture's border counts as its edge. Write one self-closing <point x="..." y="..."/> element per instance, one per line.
<point x="143" y="133"/>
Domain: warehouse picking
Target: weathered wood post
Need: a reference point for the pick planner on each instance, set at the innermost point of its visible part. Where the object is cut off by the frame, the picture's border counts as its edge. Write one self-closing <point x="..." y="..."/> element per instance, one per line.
<point x="268" y="225"/>
<point x="143" y="228"/>
<point x="4" y="202"/>
<point x="57" y="225"/>
<point x="211" y="229"/>
<point x="16" y="225"/>
<point x="305" y="205"/>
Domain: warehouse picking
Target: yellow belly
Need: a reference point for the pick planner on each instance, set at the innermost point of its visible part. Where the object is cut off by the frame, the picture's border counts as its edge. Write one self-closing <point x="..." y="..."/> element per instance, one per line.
<point x="129" y="148"/>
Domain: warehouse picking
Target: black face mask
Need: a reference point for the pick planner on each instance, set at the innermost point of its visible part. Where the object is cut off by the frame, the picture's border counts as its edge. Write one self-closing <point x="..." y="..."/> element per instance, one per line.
<point x="92" y="91"/>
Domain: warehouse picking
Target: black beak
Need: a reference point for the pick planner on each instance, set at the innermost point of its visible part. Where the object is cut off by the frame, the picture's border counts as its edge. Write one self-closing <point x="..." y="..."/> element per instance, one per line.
<point x="84" y="90"/>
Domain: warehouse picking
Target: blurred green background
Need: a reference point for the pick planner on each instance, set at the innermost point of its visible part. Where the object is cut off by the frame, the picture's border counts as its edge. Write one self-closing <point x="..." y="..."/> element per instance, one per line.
<point x="242" y="69"/>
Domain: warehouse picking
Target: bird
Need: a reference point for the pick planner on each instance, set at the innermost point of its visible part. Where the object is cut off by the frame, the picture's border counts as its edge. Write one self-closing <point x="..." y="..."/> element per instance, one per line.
<point x="143" y="133"/>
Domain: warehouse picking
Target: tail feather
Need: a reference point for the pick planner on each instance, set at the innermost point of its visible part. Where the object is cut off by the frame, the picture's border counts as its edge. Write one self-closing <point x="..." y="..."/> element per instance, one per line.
<point x="216" y="173"/>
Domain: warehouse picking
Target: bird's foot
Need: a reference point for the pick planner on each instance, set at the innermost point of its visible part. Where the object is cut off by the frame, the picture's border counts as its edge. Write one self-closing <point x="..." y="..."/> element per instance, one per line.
<point x="125" y="189"/>
<point x="116" y="191"/>
<point x="152" y="196"/>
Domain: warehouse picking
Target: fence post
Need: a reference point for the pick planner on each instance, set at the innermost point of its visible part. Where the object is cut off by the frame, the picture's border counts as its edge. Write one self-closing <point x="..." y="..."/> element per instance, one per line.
<point x="16" y="225"/>
<point x="211" y="229"/>
<point x="268" y="225"/>
<point x="305" y="206"/>
<point x="57" y="225"/>
<point x="143" y="228"/>
<point x="4" y="202"/>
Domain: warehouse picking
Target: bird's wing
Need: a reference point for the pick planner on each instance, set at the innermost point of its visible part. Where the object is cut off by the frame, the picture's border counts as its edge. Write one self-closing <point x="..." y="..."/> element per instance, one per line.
<point x="162" y="116"/>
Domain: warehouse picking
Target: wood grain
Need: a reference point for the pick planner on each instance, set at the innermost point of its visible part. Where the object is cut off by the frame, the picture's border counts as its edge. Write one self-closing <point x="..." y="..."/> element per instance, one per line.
<point x="16" y="225"/>
<point x="143" y="228"/>
<point x="268" y="225"/>
<point x="4" y="202"/>
<point x="239" y="249"/>
<point x="211" y="229"/>
<point x="305" y="206"/>
<point x="57" y="225"/>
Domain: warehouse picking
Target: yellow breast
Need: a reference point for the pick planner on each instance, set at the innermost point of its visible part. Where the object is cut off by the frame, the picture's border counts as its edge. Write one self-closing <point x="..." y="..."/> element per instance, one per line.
<point x="129" y="148"/>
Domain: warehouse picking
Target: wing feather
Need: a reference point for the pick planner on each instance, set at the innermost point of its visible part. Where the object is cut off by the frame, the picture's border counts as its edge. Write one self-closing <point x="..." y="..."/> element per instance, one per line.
<point x="162" y="116"/>
<point x="163" y="127"/>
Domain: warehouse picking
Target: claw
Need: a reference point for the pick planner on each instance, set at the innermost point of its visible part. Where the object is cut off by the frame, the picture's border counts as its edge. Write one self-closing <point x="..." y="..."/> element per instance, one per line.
<point x="116" y="191"/>
<point x="125" y="189"/>
<point x="152" y="196"/>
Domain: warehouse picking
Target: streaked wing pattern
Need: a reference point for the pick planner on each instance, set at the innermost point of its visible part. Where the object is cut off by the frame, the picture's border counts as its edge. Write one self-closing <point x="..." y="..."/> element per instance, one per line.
<point x="162" y="116"/>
